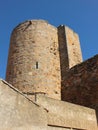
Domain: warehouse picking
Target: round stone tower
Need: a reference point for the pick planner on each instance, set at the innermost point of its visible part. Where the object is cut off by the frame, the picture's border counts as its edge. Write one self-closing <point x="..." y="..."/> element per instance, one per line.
<point x="33" y="62"/>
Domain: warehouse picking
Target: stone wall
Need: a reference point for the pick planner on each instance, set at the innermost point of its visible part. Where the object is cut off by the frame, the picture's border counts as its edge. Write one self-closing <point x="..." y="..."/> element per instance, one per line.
<point x="33" y="63"/>
<point x="39" y="56"/>
<point x="80" y="85"/>
<point x="67" y="116"/>
<point x="73" y="47"/>
<point x="70" y="51"/>
<point x="69" y="46"/>
<point x="17" y="112"/>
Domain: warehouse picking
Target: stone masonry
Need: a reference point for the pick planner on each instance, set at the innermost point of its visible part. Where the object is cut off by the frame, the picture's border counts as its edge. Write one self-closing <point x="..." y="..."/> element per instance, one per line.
<point x="33" y="64"/>
<point x="44" y="66"/>
<point x="39" y="56"/>
<point x="80" y="84"/>
<point x="70" y="51"/>
<point x="18" y="112"/>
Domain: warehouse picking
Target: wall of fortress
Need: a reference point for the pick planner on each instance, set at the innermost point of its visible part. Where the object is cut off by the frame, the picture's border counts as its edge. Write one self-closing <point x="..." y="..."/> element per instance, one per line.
<point x="33" y="64"/>
<point x="18" y="112"/>
<point x="80" y="84"/>
<point x="39" y="56"/>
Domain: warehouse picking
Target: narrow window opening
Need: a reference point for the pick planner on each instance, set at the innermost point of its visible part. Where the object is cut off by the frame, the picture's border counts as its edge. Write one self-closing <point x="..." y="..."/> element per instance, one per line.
<point x="36" y="65"/>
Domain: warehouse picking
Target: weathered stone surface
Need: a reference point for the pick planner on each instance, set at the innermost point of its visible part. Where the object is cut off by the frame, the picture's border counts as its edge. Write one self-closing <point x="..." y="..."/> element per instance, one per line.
<point x="80" y="85"/>
<point x="64" y="115"/>
<point x="69" y="45"/>
<point x="33" y="64"/>
<point x="39" y="56"/>
<point x="17" y="112"/>
<point x="40" y="64"/>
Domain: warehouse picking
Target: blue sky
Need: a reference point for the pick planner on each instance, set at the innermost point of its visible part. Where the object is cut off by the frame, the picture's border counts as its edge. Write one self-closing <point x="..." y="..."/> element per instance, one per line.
<point x="80" y="15"/>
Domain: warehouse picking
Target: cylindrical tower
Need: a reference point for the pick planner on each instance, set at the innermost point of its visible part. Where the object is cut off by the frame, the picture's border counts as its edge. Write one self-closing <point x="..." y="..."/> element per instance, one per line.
<point x="33" y="62"/>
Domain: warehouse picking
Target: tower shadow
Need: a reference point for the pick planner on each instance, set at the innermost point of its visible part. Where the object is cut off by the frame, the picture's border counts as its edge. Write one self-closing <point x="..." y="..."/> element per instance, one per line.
<point x="97" y="116"/>
<point x="63" y="52"/>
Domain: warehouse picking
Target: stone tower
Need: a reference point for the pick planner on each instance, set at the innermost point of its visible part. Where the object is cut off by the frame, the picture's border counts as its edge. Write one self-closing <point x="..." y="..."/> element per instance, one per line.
<point x="39" y="56"/>
<point x="70" y="51"/>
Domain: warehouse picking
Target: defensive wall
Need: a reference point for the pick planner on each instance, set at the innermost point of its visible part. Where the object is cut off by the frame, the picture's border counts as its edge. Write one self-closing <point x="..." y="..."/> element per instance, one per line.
<point x="39" y="56"/>
<point x="44" y="66"/>
<point x="80" y="84"/>
<point x="18" y="112"/>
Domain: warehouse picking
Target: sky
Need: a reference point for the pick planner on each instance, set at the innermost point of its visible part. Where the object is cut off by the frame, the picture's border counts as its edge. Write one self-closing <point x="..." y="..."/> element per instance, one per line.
<point x="80" y="15"/>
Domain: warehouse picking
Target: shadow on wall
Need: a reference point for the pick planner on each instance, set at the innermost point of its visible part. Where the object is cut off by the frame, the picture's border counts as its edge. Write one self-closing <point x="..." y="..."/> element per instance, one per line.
<point x="97" y="115"/>
<point x="63" y="53"/>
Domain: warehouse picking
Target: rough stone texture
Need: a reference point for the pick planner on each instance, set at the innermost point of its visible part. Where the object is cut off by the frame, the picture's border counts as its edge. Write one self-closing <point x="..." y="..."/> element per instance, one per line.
<point x="41" y="60"/>
<point x="70" y="51"/>
<point x="80" y="85"/>
<point x="33" y="63"/>
<point x="64" y="115"/>
<point x="73" y="46"/>
<point x="39" y="56"/>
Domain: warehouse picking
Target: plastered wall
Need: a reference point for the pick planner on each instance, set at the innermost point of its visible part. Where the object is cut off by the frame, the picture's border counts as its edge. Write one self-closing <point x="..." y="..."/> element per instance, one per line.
<point x="18" y="112"/>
